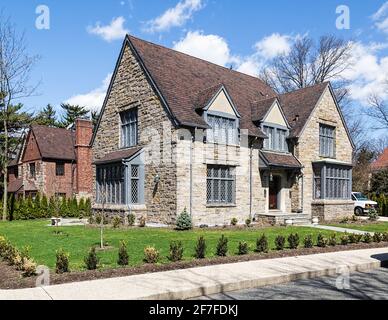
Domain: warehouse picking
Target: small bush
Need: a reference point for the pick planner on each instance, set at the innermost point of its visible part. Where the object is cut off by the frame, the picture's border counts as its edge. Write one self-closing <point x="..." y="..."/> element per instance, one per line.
<point x="234" y="222"/>
<point x="200" y="248"/>
<point x="367" y="238"/>
<point x="355" y="238"/>
<point x="262" y="244"/>
<point x="354" y="218"/>
<point x="293" y="241"/>
<point x="123" y="254"/>
<point x="222" y="247"/>
<point x="378" y="237"/>
<point x="116" y="222"/>
<point x="131" y="219"/>
<point x="373" y="215"/>
<point x="243" y="248"/>
<point x="333" y="240"/>
<point x="62" y="263"/>
<point x="91" y="220"/>
<point x="98" y="218"/>
<point x="385" y="236"/>
<point x="29" y="268"/>
<point x="142" y="222"/>
<point x="344" y="220"/>
<point x="151" y="255"/>
<point x="322" y="242"/>
<point x="308" y="241"/>
<point x="184" y="222"/>
<point x="176" y="251"/>
<point x="248" y="222"/>
<point x="280" y="242"/>
<point x="91" y="260"/>
<point x="344" y="239"/>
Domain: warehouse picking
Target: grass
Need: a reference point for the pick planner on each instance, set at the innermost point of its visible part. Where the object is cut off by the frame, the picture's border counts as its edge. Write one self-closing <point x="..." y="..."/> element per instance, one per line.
<point x="368" y="227"/>
<point x="77" y="240"/>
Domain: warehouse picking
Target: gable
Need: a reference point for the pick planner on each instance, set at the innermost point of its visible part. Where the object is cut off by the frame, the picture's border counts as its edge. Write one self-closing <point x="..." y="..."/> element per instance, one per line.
<point x="221" y="103"/>
<point x="275" y="116"/>
<point x="31" y="149"/>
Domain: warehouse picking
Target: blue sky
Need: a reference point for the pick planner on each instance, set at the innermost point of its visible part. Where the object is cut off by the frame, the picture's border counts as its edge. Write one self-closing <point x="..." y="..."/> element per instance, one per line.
<point x="79" y="50"/>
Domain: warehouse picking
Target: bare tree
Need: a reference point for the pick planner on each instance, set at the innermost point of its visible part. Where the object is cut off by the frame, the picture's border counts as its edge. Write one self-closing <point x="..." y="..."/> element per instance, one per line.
<point x="378" y="112"/>
<point x="15" y="69"/>
<point x="310" y="63"/>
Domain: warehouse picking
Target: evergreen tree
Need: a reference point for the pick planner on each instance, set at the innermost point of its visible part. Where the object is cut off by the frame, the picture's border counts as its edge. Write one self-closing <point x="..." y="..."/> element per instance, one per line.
<point x="379" y="183"/>
<point x="64" y="210"/>
<point x="47" y="117"/>
<point x="44" y="207"/>
<point x="95" y="115"/>
<point x="52" y="207"/>
<point x="88" y="207"/>
<point x="74" y="207"/>
<point x="28" y="209"/>
<point x="37" y="214"/>
<point x="72" y="112"/>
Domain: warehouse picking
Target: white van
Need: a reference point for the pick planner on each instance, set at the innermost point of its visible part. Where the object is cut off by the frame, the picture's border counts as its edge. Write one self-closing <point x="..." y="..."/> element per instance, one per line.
<point x="362" y="204"/>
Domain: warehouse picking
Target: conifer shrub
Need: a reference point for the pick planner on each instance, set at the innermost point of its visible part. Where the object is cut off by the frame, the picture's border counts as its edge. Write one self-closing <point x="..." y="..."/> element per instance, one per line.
<point x="184" y="221"/>
<point x="200" y="248"/>
<point x="222" y="247"/>
<point x="123" y="254"/>
<point x="91" y="260"/>
<point x="176" y="251"/>
<point x="262" y="245"/>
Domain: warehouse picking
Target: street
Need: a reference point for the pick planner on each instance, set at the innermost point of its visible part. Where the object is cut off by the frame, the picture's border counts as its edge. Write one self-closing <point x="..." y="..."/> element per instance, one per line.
<point x="363" y="286"/>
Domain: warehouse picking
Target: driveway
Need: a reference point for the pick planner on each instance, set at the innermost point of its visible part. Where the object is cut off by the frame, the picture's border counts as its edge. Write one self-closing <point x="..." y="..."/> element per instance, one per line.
<point x="363" y="286"/>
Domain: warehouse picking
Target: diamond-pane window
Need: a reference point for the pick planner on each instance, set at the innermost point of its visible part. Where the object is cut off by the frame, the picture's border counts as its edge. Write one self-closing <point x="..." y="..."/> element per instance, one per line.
<point x="220" y="185"/>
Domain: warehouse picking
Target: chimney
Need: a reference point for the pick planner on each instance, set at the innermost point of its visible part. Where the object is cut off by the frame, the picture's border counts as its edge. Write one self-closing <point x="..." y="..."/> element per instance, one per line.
<point x="83" y="172"/>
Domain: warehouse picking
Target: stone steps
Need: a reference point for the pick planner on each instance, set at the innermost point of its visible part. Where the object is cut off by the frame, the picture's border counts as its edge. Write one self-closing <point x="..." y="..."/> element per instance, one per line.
<point x="279" y="218"/>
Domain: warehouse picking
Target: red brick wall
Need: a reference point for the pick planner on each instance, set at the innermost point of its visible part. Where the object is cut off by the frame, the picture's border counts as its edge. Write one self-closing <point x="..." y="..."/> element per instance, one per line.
<point x="84" y="173"/>
<point x="54" y="184"/>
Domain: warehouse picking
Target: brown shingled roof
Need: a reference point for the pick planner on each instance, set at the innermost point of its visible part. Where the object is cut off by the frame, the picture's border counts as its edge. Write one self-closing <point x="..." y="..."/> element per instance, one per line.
<point x="54" y="143"/>
<point x="280" y="160"/>
<point x="182" y="79"/>
<point x="117" y="156"/>
<point x="260" y="108"/>
<point x="15" y="185"/>
<point x="381" y="162"/>
<point x="298" y="106"/>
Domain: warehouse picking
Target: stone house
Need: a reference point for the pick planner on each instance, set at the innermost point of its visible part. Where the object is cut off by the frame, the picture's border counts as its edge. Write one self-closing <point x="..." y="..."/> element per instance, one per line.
<point x="54" y="161"/>
<point x="178" y="132"/>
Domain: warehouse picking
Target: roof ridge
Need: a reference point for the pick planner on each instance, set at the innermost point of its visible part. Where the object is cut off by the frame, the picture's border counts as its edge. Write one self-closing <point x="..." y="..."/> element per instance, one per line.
<point x="325" y="83"/>
<point x="200" y="59"/>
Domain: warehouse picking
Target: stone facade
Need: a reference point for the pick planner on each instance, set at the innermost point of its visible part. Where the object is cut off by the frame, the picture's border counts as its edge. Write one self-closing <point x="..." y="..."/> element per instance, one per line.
<point x="307" y="152"/>
<point x="156" y="135"/>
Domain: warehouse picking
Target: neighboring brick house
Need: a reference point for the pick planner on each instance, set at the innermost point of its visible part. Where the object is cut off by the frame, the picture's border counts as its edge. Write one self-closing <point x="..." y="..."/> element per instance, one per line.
<point x="381" y="162"/>
<point x="54" y="161"/>
<point x="178" y="132"/>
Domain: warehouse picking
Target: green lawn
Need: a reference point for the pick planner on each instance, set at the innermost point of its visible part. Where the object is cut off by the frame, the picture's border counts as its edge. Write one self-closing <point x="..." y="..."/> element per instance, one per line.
<point x="369" y="227"/>
<point x="78" y="239"/>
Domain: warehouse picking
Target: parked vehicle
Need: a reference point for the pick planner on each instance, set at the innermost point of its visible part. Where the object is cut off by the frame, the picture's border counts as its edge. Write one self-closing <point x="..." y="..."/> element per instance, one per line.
<point x="362" y="204"/>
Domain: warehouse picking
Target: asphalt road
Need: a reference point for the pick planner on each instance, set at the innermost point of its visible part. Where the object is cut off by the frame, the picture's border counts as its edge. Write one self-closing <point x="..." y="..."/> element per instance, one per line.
<point x="358" y="286"/>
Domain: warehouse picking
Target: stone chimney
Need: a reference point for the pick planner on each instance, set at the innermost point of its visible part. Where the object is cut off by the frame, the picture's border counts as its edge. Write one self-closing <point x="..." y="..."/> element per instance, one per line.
<point x="84" y="173"/>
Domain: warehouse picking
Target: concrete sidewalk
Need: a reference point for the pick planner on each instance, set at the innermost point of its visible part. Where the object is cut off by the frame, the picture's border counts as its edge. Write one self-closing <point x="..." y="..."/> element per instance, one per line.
<point x="191" y="283"/>
<point x="338" y="229"/>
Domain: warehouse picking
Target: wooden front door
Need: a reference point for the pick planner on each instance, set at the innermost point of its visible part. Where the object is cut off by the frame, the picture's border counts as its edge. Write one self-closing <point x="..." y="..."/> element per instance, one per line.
<point x="274" y="189"/>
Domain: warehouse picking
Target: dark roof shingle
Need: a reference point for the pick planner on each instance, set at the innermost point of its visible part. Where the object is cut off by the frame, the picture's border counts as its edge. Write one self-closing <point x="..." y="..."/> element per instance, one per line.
<point x="15" y="185"/>
<point x="280" y="160"/>
<point x="117" y="156"/>
<point x="54" y="143"/>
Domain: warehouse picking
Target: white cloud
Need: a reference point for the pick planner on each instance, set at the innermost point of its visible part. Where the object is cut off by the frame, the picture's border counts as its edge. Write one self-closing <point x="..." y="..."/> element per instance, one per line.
<point x="210" y="47"/>
<point x="174" y="17"/>
<point x="94" y="99"/>
<point x="114" y="31"/>
<point x="381" y="18"/>
<point x="274" y="45"/>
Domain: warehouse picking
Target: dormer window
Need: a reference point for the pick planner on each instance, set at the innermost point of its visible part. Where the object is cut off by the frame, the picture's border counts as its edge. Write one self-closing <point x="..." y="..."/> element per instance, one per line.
<point x="277" y="138"/>
<point x="223" y="130"/>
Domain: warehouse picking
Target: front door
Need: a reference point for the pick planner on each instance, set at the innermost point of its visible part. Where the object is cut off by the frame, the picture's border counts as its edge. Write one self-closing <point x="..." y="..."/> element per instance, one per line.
<point x="274" y="189"/>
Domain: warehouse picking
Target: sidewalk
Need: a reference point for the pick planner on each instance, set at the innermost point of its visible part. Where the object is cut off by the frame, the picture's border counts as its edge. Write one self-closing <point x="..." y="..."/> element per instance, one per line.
<point x="337" y="229"/>
<point x="191" y="283"/>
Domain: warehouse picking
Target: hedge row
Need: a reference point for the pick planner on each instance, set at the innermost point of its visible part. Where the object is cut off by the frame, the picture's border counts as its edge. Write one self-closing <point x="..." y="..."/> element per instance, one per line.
<point x="382" y="201"/>
<point x="42" y="207"/>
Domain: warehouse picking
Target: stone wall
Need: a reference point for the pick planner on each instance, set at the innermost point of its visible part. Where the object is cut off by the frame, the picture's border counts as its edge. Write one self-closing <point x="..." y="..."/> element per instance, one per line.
<point x="307" y="150"/>
<point x="332" y="210"/>
<point x="132" y="89"/>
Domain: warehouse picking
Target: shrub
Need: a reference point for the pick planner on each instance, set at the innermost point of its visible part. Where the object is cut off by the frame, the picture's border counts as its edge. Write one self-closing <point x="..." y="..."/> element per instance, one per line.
<point x="234" y="222"/>
<point x="345" y="239"/>
<point x="248" y="222"/>
<point x="262" y="244"/>
<point x="355" y="238"/>
<point x="373" y="215"/>
<point x="131" y="219"/>
<point x="333" y="240"/>
<point x="293" y="241"/>
<point x="91" y="220"/>
<point x="151" y="255"/>
<point x="116" y="222"/>
<point x="29" y="268"/>
<point x="200" y="248"/>
<point x="344" y="220"/>
<point x="176" y="251"/>
<point x="142" y="222"/>
<point x="243" y="248"/>
<point x="385" y="236"/>
<point x="378" y="237"/>
<point x="91" y="260"/>
<point x="308" y="241"/>
<point x="222" y="247"/>
<point x="62" y="263"/>
<point x="322" y="242"/>
<point x="184" y="221"/>
<point x="98" y="218"/>
<point x="367" y="238"/>
<point x="280" y="242"/>
<point x="123" y="254"/>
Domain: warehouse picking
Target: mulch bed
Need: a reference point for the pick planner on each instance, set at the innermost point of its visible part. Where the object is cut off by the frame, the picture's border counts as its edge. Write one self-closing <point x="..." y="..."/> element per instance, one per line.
<point x="12" y="279"/>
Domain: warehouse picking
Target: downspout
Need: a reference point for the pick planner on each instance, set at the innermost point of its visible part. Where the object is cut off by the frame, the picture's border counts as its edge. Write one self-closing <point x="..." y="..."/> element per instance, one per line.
<point x="191" y="172"/>
<point x="251" y="178"/>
